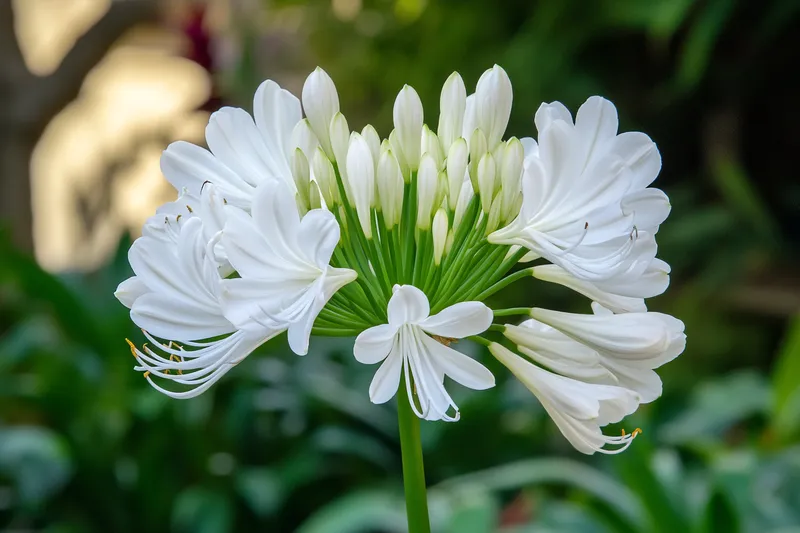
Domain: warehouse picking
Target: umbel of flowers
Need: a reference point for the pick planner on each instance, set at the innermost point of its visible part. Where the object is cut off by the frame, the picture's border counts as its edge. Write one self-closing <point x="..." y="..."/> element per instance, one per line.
<point x="290" y="221"/>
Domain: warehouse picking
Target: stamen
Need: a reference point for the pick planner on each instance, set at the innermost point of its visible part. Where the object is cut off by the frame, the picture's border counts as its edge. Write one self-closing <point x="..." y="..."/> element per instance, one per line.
<point x="583" y="236"/>
<point x="636" y="431"/>
<point x="634" y="231"/>
<point x="203" y="185"/>
<point x="447" y="341"/>
<point x="189" y="208"/>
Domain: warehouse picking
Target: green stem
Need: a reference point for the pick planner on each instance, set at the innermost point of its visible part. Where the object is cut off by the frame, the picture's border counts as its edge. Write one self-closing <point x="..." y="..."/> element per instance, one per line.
<point x="506" y="281"/>
<point x="511" y="311"/>
<point x="413" y="470"/>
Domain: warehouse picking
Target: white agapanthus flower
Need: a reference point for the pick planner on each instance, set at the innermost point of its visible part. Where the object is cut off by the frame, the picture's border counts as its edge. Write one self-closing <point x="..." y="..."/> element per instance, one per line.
<point x="297" y="224"/>
<point x="415" y="345"/>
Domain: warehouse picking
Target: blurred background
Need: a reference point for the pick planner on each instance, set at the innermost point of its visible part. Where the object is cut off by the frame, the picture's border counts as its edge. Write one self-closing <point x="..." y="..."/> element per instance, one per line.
<point x="91" y="91"/>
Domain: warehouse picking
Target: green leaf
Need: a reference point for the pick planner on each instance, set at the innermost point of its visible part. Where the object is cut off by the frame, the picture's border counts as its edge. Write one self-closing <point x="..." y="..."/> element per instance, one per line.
<point x="720" y="514"/>
<point x="786" y="385"/>
<point x="198" y="510"/>
<point x="37" y="460"/>
<point x="261" y="489"/>
<point x="360" y="512"/>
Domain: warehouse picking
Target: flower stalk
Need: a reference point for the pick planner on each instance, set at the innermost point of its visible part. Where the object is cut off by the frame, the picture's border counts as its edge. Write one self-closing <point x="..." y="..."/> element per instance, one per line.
<point x="413" y="468"/>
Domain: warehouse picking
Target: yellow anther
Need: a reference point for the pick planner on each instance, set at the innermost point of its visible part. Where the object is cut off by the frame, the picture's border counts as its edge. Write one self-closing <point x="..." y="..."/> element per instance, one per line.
<point x="146" y="374"/>
<point x="635" y="432"/>
<point x="133" y="348"/>
<point x="189" y="208"/>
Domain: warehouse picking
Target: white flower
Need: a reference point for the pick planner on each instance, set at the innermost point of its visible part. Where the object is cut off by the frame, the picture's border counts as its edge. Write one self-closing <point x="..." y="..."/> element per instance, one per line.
<point x="283" y="264"/>
<point x="405" y="344"/>
<point x="602" y="348"/>
<point x="243" y="152"/>
<point x="579" y="409"/>
<point x="585" y="204"/>
<point x="175" y="296"/>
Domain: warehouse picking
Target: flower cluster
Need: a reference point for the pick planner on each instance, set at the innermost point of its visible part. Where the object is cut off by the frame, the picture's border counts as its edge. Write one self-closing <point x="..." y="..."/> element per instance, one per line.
<point x="298" y="224"/>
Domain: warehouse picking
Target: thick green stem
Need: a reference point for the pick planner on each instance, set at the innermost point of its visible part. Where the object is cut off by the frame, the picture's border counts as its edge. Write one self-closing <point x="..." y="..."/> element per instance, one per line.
<point x="413" y="470"/>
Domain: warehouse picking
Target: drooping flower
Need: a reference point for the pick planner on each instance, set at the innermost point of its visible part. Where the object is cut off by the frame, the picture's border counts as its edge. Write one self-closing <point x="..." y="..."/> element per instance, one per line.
<point x="300" y="225"/>
<point x="414" y="345"/>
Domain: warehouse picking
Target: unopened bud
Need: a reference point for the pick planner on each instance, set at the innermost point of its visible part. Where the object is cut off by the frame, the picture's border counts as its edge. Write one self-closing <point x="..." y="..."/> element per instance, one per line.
<point x="321" y="103"/>
<point x="439" y="233"/>
<point x="427" y="188"/>
<point x="390" y="188"/>
<point x="486" y="176"/>
<point x="456" y="170"/>
<point x="408" y="117"/>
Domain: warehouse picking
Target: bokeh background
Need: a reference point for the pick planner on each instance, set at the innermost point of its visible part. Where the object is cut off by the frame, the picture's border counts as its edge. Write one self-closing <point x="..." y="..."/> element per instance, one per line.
<point x="91" y="91"/>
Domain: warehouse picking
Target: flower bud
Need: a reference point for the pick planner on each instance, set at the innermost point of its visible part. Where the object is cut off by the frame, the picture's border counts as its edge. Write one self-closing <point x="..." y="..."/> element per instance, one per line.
<point x="493" y="220"/>
<point x="486" y="177"/>
<point x="325" y="177"/>
<point x="451" y="105"/>
<point x="361" y="175"/>
<point x="430" y="145"/>
<point x="493" y="97"/>
<point x="439" y="233"/>
<point x="511" y="176"/>
<point x="321" y="103"/>
<point x="373" y="141"/>
<point x="303" y="137"/>
<point x="464" y="198"/>
<point x="302" y="176"/>
<point x="408" y="124"/>
<point x="456" y="170"/>
<point x="477" y="148"/>
<point x="314" y="201"/>
<point x="390" y="188"/>
<point x="427" y="188"/>
<point x="339" y="139"/>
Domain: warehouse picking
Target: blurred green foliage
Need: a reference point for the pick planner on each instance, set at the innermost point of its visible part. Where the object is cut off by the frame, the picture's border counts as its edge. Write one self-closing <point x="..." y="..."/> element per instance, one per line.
<point x="293" y="444"/>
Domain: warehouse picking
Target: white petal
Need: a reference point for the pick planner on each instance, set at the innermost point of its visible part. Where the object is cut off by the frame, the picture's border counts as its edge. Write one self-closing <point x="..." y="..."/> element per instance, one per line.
<point x="649" y="207"/>
<point x="640" y="155"/>
<point x="318" y="236"/>
<point x="556" y="274"/>
<point x="188" y="167"/>
<point x="129" y="290"/>
<point x="459" y="320"/>
<point x="235" y="140"/>
<point x="408" y="305"/>
<point x="374" y="344"/>
<point x="387" y="379"/>
<point x="548" y="113"/>
<point x="459" y="367"/>
<point x="170" y="318"/>
<point x="595" y="122"/>
<point x="633" y="336"/>
<point x="276" y="112"/>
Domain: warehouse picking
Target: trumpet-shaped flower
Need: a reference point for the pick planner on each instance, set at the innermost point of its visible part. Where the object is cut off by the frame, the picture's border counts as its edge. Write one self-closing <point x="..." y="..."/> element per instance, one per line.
<point x="586" y="204"/>
<point x="415" y="345"/>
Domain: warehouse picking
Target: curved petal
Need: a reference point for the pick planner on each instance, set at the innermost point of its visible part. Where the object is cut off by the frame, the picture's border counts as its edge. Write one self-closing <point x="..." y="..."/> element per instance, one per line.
<point x="548" y="113"/>
<point x="276" y="112"/>
<point x="386" y="381"/>
<point x="374" y="344"/>
<point x="650" y="207"/>
<point x="408" y="305"/>
<point x="459" y="320"/>
<point x="130" y="290"/>
<point x="188" y="167"/>
<point x="318" y="236"/>
<point x="170" y="318"/>
<point x="458" y="366"/>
